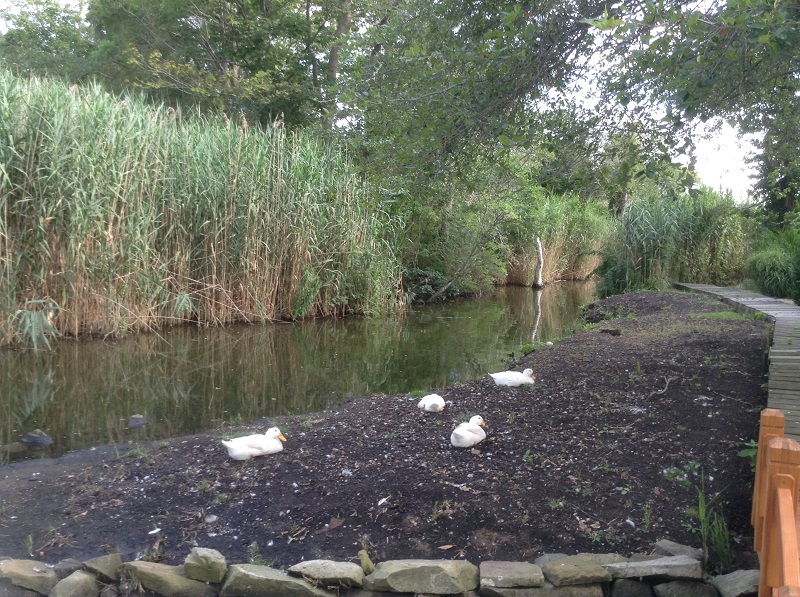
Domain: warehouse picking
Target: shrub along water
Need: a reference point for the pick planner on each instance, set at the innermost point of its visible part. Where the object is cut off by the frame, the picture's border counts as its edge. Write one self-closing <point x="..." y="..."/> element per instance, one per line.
<point x="774" y="265"/>
<point x="119" y="216"/>
<point x="703" y="239"/>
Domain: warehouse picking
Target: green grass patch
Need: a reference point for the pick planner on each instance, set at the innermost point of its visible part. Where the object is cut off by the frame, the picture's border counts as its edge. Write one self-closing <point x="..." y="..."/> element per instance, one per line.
<point x="729" y="315"/>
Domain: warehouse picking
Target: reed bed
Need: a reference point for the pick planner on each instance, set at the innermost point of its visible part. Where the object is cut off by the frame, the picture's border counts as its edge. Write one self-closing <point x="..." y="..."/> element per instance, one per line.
<point x="570" y="230"/>
<point x="658" y="240"/>
<point x="121" y="216"/>
<point x="774" y="265"/>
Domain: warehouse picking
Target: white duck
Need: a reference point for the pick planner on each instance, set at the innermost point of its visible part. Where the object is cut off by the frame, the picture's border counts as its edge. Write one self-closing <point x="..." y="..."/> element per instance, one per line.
<point x="432" y="403"/>
<point x="250" y="446"/>
<point x="513" y="378"/>
<point x="467" y="435"/>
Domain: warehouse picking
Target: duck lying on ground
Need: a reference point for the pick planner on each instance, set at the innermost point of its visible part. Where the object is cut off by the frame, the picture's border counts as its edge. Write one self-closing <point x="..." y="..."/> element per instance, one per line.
<point x="513" y="378"/>
<point x="250" y="446"/>
<point x="468" y="434"/>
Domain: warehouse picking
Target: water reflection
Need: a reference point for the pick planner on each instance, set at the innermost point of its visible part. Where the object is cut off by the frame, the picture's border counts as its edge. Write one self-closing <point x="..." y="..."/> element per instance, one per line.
<point x="189" y="379"/>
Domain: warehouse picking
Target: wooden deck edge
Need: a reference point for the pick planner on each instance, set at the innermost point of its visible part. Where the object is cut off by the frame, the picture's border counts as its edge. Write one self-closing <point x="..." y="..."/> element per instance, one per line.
<point x="783" y="350"/>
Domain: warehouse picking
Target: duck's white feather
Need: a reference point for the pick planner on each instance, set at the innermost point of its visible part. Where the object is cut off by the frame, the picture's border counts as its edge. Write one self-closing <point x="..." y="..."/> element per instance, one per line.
<point x="250" y="446"/>
<point x="469" y="434"/>
<point x="513" y="378"/>
<point x="432" y="403"/>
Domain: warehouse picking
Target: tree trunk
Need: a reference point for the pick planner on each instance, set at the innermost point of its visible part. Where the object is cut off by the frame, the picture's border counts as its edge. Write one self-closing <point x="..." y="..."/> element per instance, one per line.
<point x="537" y="278"/>
<point x="343" y="23"/>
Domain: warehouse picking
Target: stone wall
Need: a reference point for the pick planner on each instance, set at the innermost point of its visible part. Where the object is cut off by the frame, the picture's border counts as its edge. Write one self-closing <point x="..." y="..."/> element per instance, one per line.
<point x="672" y="570"/>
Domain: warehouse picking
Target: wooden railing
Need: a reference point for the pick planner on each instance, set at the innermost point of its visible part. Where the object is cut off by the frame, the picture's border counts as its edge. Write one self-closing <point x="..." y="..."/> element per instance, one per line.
<point x="775" y="508"/>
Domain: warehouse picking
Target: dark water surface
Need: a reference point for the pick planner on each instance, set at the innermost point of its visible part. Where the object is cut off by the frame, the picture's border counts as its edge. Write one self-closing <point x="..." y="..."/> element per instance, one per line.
<point x="192" y="379"/>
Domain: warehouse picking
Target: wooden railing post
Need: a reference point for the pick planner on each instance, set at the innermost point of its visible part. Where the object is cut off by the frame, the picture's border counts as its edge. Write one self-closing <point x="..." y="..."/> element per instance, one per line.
<point x="772" y="425"/>
<point x="779" y="553"/>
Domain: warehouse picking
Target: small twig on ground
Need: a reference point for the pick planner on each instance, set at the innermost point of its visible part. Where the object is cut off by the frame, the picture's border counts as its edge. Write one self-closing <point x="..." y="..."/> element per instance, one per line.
<point x="664" y="391"/>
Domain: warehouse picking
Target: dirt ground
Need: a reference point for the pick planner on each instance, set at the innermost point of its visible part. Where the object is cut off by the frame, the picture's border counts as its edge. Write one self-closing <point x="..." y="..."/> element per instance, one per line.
<point x="630" y="421"/>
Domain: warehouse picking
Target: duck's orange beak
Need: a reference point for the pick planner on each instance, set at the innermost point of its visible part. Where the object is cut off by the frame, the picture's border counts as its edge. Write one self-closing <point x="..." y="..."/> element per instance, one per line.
<point x="280" y="437"/>
<point x="483" y="424"/>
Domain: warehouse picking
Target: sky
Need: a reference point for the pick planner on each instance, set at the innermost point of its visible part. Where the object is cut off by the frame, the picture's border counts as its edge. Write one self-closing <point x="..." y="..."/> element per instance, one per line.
<point x="721" y="162"/>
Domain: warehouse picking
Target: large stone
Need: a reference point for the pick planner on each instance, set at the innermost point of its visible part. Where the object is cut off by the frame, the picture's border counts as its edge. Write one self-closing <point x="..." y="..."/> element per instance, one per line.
<point x="251" y="580"/>
<point x="205" y="565"/>
<point x="37" y="437"/>
<point x="168" y="581"/>
<point x="510" y="574"/>
<point x="737" y="584"/>
<point x="546" y="590"/>
<point x="668" y="567"/>
<point x="549" y="557"/>
<point x="66" y="567"/>
<point x="29" y="574"/>
<point x="684" y="588"/>
<point x="573" y="570"/>
<point x="665" y="547"/>
<point x="7" y="589"/>
<point x="624" y="587"/>
<point x="329" y="573"/>
<point x="110" y="591"/>
<point x="439" y="577"/>
<point x="106" y="567"/>
<point x="597" y="558"/>
<point x="78" y="584"/>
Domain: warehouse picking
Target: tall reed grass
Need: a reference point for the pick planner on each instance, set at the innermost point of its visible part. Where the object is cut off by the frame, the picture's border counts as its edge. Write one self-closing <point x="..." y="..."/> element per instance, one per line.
<point x="569" y="228"/>
<point x="774" y="266"/>
<point x="128" y="217"/>
<point x="660" y="240"/>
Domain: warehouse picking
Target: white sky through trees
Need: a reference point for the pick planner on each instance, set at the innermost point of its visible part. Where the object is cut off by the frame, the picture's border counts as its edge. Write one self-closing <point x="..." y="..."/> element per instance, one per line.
<point x="721" y="162"/>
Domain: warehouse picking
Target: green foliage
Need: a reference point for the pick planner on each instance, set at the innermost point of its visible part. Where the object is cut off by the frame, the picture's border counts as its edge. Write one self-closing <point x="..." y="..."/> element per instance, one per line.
<point x="266" y="60"/>
<point x="712" y="528"/>
<point x="688" y="239"/>
<point x="32" y="325"/>
<point x="45" y="38"/>
<point x="422" y="284"/>
<point x="720" y="539"/>
<point x="774" y="265"/>
<point x="568" y="227"/>
<point x="750" y="451"/>
<point x="736" y="60"/>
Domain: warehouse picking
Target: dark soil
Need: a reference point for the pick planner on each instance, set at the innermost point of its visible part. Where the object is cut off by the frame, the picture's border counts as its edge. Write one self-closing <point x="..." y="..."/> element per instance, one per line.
<point x="629" y="421"/>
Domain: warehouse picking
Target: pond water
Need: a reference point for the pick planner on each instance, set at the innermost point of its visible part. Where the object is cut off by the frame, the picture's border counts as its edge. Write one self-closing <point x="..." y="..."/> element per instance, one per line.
<point x="190" y="379"/>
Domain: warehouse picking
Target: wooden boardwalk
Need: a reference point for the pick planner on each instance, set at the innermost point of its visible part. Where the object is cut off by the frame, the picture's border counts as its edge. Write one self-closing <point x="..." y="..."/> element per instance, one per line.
<point x="784" y="352"/>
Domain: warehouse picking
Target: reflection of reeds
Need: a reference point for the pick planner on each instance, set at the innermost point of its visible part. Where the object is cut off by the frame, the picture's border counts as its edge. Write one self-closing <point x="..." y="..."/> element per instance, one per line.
<point x="129" y="218"/>
<point x="25" y="399"/>
<point x="31" y="393"/>
<point x="190" y="379"/>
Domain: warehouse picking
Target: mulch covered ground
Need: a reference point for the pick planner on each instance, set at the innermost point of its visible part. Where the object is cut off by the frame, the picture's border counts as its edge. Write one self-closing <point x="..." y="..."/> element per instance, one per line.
<point x="629" y="423"/>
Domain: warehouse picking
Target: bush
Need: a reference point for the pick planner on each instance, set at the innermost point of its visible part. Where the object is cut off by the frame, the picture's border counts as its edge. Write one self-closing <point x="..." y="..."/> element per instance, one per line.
<point x="662" y="239"/>
<point x="775" y="265"/>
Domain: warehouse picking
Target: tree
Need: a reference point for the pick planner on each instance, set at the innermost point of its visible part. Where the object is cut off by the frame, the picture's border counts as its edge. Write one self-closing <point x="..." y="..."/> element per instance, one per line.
<point x="265" y="59"/>
<point x="739" y="60"/>
<point x="778" y="163"/>
<point x="252" y="57"/>
<point x="45" y="38"/>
